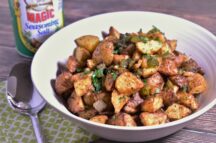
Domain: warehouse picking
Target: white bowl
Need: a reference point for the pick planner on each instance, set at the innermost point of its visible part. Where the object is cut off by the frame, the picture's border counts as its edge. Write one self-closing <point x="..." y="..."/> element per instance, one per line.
<point x="194" y="40"/>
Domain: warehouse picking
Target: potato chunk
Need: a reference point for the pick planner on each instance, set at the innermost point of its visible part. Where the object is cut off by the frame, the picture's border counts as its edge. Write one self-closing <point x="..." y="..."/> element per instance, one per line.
<point x="104" y="53"/>
<point x="63" y="83"/>
<point x="127" y="83"/>
<point x="118" y="100"/>
<point x="168" y="67"/>
<point x="72" y="64"/>
<point x="81" y="55"/>
<point x="113" y="32"/>
<point x="155" y="83"/>
<point x="177" y="111"/>
<point x="89" y="42"/>
<point x="151" y="119"/>
<point x="172" y="44"/>
<point x="132" y="105"/>
<point x="118" y="58"/>
<point x="99" y="119"/>
<point x="188" y="100"/>
<point x="87" y="114"/>
<point x="109" y="82"/>
<point x="83" y="86"/>
<point x="122" y="119"/>
<point x="150" y="47"/>
<point x="197" y="83"/>
<point x="179" y="80"/>
<point x="75" y="103"/>
<point x="91" y="63"/>
<point x="168" y="97"/>
<point x="152" y="104"/>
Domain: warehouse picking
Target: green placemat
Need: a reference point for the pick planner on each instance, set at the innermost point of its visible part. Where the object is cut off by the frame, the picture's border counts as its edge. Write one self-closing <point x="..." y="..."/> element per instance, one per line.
<point x="17" y="128"/>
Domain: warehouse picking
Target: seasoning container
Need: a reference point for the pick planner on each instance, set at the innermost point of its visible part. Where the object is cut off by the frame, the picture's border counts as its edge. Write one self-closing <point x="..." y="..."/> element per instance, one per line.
<point x="34" y="21"/>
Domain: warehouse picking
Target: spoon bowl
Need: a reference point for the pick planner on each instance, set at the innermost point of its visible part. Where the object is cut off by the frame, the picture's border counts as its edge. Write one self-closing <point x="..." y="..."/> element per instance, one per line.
<point x="23" y="97"/>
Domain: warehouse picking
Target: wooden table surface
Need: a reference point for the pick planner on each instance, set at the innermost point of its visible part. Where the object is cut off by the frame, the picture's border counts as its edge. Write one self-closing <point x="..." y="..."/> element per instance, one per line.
<point x="202" y="12"/>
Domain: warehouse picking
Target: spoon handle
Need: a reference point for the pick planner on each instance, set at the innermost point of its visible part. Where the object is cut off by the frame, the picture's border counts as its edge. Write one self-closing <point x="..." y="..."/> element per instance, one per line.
<point x="37" y="129"/>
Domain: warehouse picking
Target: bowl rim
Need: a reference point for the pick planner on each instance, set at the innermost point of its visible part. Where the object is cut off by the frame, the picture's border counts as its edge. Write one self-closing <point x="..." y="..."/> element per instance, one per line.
<point x="137" y="128"/>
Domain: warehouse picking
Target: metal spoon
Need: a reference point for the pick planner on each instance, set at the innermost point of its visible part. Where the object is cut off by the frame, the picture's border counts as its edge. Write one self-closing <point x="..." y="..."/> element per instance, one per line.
<point x="23" y="97"/>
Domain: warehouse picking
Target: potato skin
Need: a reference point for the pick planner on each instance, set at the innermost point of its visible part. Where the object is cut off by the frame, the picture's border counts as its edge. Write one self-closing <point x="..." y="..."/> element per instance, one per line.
<point x="104" y="53"/>
<point x="87" y="114"/>
<point x="179" y="80"/>
<point x="128" y="83"/>
<point x="168" y="67"/>
<point x="132" y="105"/>
<point x="152" y="119"/>
<point x="99" y="119"/>
<point x="177" y="111"/>
<point x="89" y="42"/>
<point x="72" y="64"/>
<point x="63" y="83"/>
<point x="109" y="82"/>
<point x="75" y="103"/>
<point x="155" y="83"/>
<point x="118" y="100"/>
<point x="168" y="97"/>
<point x="83" y="86"/>
<point x="122" y="119"/>
<point x="152" y="104"/>
<point x="81" y="55"/>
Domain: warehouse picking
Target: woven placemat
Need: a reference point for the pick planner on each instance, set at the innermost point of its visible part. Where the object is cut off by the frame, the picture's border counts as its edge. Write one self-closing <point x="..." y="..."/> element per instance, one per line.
<point x="17" y="128"/>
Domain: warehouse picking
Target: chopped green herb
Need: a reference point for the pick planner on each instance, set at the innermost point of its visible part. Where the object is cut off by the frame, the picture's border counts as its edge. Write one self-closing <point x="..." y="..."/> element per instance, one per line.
<point x="185" y="88"/>
<point x="99" y="73"/>
<point x="154" y="30"/>
<point x="79" y="69"/>
<point x="145" y="81"/>
<point x="114" y="75"/>
<point x="152" y="62"/>
<point x="97" y="82"/>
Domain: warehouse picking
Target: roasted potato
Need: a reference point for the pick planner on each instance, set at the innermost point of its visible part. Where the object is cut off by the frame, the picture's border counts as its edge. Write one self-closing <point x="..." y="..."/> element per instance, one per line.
<point x="152" y="104"/>
<point x="149" y="47"/>
<point x="89" y="99"/>
<point x="83" y="86"/>
<point x="81" y="55"/>
<point x="177" y="111"/>
<point x="118" y="58"/>
<point x="172" y="44"/>
<point x="169" y="97"/>
<point x="168" y="67"/>
<point x="72" y="64"/>
<point x="197" y="83"/>
<point x="109" y="81"/>
<point x="128" y="83"/>
<point x="187" y="99"/>
<point x="118" y="100"/>
<point x="132" y="105"/>
<point x="63" y="83"/>
<point x="75" y="103"/>
<point x="99" y="119"/>
<point x="179" y="80"/>
<point x="87" y="114"/>
<point x="151" y="119"/>
<point x="191" y="66"/>
<point x="91" y="64"/>
<point x="104" y="53"/>
<point x="122" y="119"/>
<point x="155" y="83"/>
<point x="89" y="42"/>
<point x="113" y="32"/>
